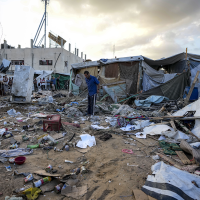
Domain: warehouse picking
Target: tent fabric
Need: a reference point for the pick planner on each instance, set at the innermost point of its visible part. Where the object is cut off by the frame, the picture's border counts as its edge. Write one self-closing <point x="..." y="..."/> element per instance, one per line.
<point x="152" y="99"/>
<point x="156" y="75"/>
<point x="177" y="67"/>
<point x="92" y="70"/>
<point x="109" y="61"/>
<point x="115" y="91"/>
<point x="165" y="61"/>
<point x="168" y="90"/>
<point x="63" y="80"/>
<point x="149" y="83"/>
<point x="153" y="78"/>
<point x="129" y="73"/>
<point x="170" y="183"/>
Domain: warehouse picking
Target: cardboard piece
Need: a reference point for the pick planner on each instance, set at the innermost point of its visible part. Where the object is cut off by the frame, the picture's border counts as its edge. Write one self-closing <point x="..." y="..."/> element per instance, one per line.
<point x="44" y="173"/>
<point x="75" y="192"/>
<point x="83" y="150"/>
<point x="140" y="195"/>
<point x="57" y="136"/>
<point x="49" y="186"/>
<point x="72" y="182"/>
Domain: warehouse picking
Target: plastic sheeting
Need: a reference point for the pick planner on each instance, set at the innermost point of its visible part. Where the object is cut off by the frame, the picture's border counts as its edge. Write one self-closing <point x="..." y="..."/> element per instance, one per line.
<point x="195" y="106"/>
<point x="164" y="130"/>
<point x="15" y="152"/>
<point x="168" y="182"/>
<point x="75" y="89"/>
<point x="86" y="140"/>
<point x="139" y="125"/>
<point x="153" y="78"/>
<point x="115" y="91"/>
<point x="172" y="89"/>
<point x="109" y="61"/>
<point x="152" y="99"/>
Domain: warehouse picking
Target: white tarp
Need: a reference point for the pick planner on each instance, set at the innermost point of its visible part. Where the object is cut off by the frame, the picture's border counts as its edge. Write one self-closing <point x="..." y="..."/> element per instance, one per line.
<point x="163" y="130"/>
<point x="139" y="124"/>
<point x="195" y="106"/>
<point x="168" y="182"/>
<point x="86" y="140"/>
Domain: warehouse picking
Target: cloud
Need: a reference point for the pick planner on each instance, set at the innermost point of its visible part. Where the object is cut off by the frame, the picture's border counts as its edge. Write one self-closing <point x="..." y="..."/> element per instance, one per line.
<point x="153" y="28"/>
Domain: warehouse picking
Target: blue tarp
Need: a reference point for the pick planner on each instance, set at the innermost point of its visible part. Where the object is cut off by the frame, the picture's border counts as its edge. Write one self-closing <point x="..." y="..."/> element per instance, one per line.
<point x="152" y="99"/>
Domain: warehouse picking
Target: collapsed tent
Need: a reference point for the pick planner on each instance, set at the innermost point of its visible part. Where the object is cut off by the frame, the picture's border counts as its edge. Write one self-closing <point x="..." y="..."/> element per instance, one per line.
<point x="122" y="77"/>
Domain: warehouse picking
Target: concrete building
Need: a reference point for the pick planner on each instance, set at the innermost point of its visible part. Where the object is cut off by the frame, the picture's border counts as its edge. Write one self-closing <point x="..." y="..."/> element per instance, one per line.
<point x="58" y="60"/>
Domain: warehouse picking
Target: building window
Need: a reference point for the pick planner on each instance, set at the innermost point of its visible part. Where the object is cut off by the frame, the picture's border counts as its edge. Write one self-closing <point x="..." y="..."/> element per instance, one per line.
<point x="17" y="62"/>
<point x="66" y="63"/>
<point x="46" y="62"/>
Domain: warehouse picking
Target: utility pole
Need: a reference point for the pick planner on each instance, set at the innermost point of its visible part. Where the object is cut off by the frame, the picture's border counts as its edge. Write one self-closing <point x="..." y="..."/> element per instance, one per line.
<point x="45" y="26"/>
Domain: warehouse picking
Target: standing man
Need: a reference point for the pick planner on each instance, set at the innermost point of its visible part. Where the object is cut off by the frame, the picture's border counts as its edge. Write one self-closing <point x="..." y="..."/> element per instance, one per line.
<point x="93" y="89"/>
<point x="48" y="83"/>
<point x="35" y="84"/>
<point x="53" y="80"/>
<point x="58" y="83"/>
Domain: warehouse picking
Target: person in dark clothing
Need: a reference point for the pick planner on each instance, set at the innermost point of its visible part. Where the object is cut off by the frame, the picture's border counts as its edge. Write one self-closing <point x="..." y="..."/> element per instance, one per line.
<point x="35" y="85"/>
<point x="93" y="89"/>
<point x="58" y="83"/>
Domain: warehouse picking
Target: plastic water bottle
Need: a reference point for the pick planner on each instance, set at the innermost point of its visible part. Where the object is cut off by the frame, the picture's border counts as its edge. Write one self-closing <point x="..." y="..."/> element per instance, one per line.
<point x="51" y="139"/>
<point x="42" y="181"/>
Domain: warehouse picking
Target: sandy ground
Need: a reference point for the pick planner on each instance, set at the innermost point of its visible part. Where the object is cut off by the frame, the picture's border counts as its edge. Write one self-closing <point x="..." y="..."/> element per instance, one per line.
<point x="110" y="174"/>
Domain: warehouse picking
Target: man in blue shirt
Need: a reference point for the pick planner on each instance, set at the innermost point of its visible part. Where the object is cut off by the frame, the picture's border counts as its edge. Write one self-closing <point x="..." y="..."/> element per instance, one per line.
<point x="53" y="80"/>
<point x="92" y="84"/>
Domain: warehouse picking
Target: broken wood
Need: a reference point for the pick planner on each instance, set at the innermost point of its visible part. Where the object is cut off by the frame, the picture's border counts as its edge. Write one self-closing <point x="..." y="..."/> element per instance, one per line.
<point x="191" y="88"/>
<point x="174" y="118"/>
<point x="183" y="157"/>
<point x="140" y="195"/>
<point x="172" y="123"/>
<point x="185" y="128"/>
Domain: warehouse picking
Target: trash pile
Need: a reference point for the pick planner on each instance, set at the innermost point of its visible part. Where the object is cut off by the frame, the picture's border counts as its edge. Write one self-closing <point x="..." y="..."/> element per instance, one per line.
<point x="52" y="148"/>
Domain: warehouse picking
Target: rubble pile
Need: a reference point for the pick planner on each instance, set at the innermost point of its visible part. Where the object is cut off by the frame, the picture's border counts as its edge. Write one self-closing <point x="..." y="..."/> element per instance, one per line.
<point x="51" y="149"/>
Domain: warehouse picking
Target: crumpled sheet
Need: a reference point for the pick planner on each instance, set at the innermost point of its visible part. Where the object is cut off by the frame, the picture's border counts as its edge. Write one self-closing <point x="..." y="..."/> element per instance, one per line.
<point x="166" y="131"/>
<point x="86" y="140"/>
<point x="12" y="112"/>
<point x="152" y="99"/>
<point x="168" y="182"/>
<point x="15" y="152"/>
<point x="96" y="127"/>
<point x="139" y="124"/>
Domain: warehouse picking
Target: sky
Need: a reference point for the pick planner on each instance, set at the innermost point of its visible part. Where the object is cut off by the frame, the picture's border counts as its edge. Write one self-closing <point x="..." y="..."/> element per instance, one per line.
<point x="107" y="28"/>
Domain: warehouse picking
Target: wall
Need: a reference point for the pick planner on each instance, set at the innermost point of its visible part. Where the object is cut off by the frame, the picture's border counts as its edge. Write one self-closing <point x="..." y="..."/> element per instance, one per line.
<point x="31" y="58"/>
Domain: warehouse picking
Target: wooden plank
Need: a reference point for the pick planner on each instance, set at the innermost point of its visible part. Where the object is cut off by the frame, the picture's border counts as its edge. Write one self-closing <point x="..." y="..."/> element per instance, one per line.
<point x="183" y="157"/>
<point x="185" y="128"/>
<point x="172" y="124"/>
<point x="140" y="195"/>
<point x="191" y="88"/>
<point x="176" y="118"/>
